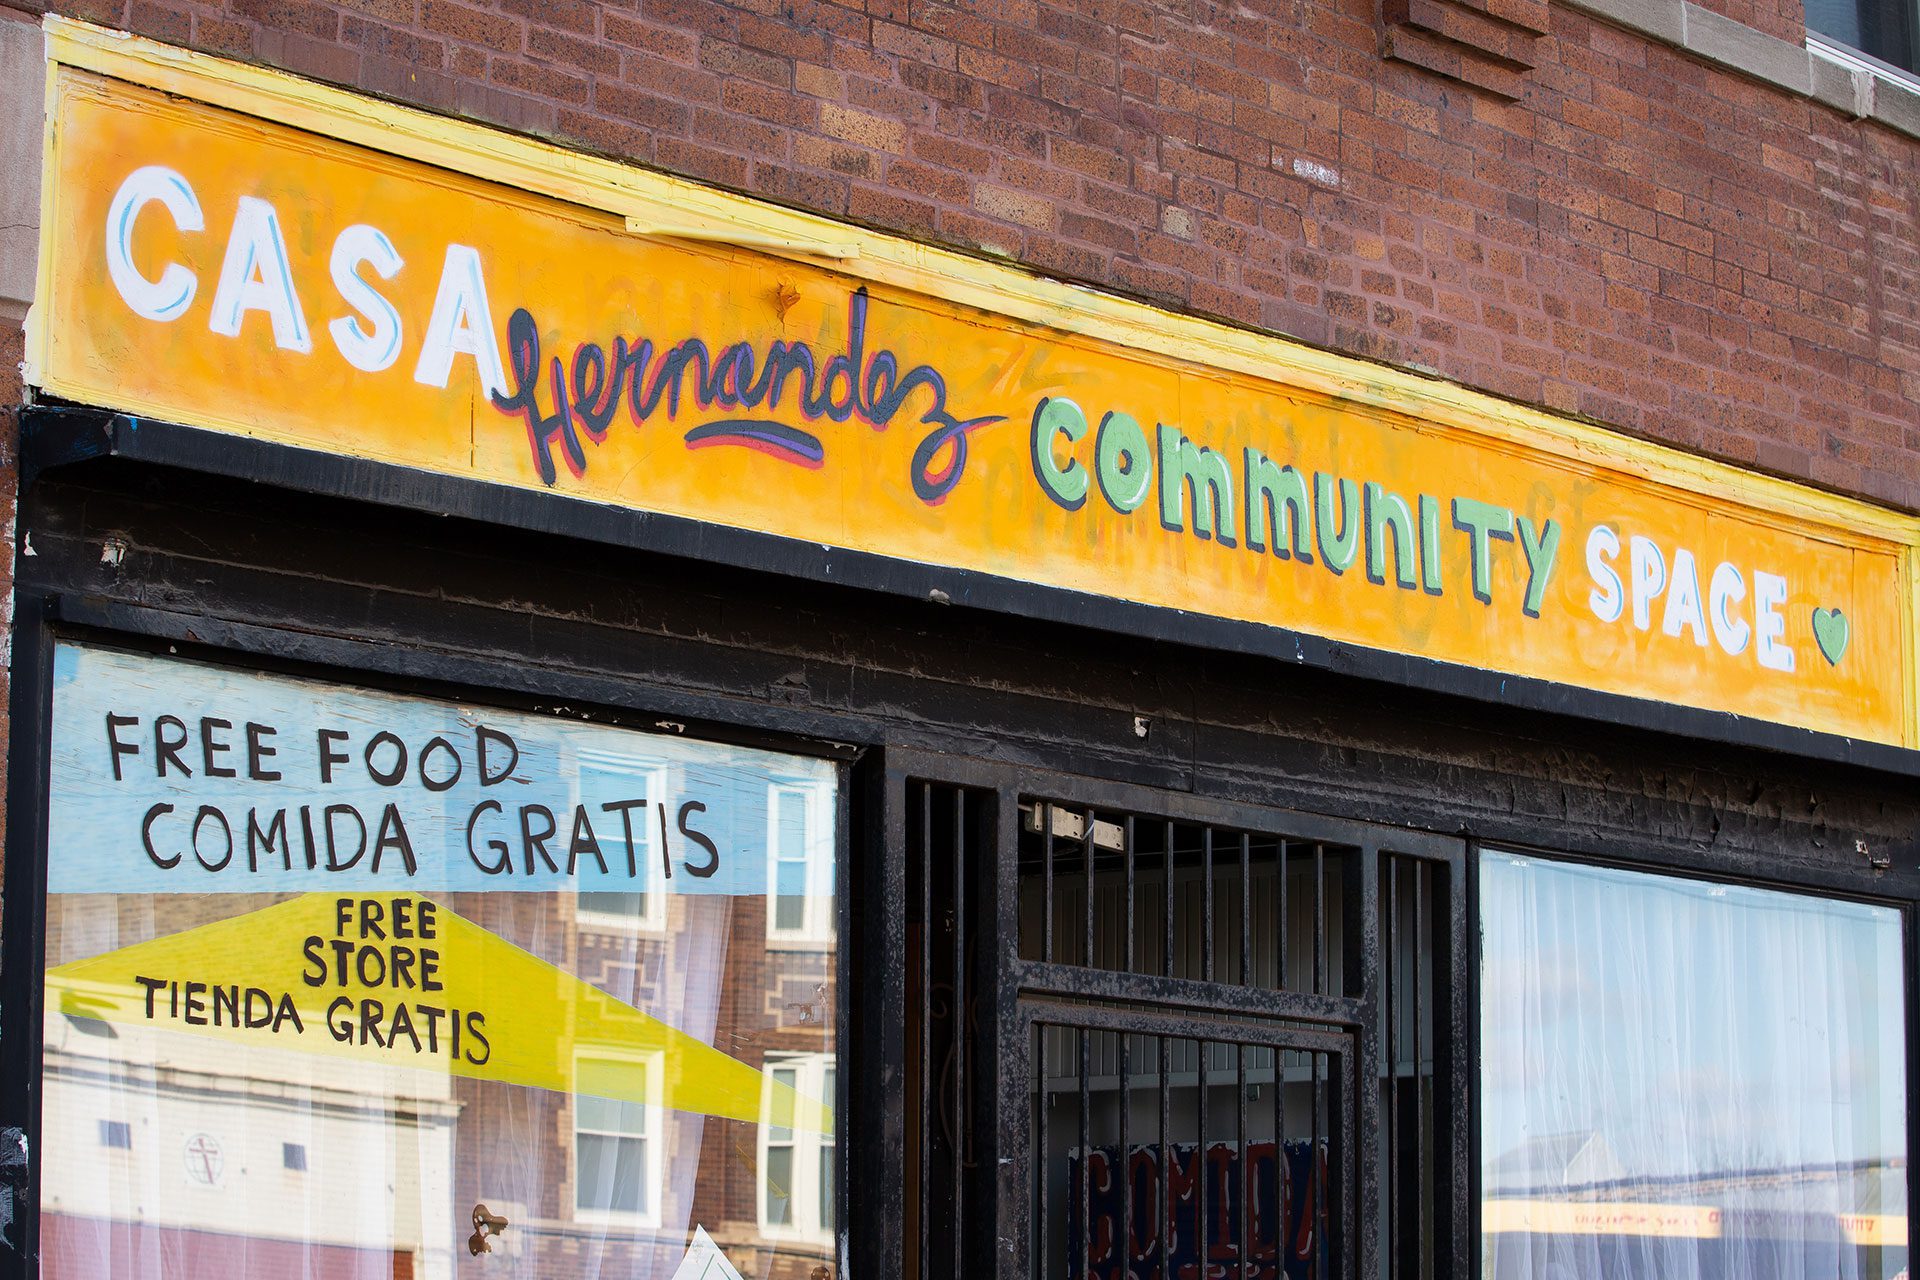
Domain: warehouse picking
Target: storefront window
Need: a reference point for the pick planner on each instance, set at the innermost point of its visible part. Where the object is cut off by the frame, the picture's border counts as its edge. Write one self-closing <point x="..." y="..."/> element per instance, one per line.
<point x="1687" y="1079"/>
<point x="352" y="985"/>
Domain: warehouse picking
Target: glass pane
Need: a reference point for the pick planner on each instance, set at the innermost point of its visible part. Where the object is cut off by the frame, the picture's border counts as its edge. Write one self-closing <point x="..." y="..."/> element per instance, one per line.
<point x="779" y="1177"/>
<point x="793" y="824"/>
<point x="826" y="1187"/>
<point x="1883" y="28"/>
<point x="1688" y="1079"/>
<point x="790" y="913"/>
<point x="343" y="983"/>
<point x="781" y="1128"/>
<point x="630" y="905"/>
<point x="792" y="879"/>
<point x="613" y="1174"/>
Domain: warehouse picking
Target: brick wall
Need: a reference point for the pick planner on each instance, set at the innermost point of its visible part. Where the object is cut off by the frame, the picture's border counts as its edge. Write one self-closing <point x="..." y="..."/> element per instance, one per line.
<point x="1641" y="239"/>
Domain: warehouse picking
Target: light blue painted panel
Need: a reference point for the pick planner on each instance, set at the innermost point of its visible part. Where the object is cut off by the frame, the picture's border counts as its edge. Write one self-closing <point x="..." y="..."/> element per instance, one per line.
<point x="163" y="781"/>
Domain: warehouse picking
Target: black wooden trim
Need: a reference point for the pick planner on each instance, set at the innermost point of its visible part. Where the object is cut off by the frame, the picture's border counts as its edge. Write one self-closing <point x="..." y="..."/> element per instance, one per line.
<point x="423" y="672"/>
<point x="23" y="919"/>
<point x="871" y="1013"/>
<point x="1257" y="1004"/>
<point x="53" y="438"/>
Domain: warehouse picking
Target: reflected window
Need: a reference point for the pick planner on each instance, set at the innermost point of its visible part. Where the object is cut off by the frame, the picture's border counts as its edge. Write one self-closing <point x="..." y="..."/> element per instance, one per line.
<point x="356" y="963"/>
<point x="616" y="1143"/>
<point x="1687" y="1079"/>
<point x="797" y="1182"/>
<point x="799" y="867"/>
<point x="625" y="909"/>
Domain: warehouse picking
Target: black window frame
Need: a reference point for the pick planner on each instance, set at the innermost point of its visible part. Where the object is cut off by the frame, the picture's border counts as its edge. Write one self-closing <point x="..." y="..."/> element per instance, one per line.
<point x="46" y="619"/>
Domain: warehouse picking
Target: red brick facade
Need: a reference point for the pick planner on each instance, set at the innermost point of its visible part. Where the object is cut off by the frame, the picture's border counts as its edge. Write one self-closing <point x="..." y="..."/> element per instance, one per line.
<point x="1641" y="238"/>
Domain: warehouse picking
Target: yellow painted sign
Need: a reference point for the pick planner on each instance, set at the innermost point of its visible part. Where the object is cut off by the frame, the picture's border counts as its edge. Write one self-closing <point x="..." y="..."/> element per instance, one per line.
<point x="213" y="268"/>
<point x="404" y="981"/>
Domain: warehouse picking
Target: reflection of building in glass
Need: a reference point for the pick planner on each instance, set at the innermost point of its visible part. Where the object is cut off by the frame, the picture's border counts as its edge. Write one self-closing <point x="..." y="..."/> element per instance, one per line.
<point x="174" y="1155"/>
<point x="357" y="1170"/>
<point x="796" y="1164"/>
<point x="799" y="866"/>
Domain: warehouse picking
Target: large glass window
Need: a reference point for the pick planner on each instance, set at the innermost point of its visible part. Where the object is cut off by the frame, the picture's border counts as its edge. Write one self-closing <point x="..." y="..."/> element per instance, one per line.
<point x="352" y="985"/>
<point x="1883" y="29"/>
<point x="1687" y="1079"/>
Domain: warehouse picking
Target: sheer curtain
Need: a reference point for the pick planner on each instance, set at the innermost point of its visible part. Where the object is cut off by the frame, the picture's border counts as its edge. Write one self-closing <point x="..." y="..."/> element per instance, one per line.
<point x="1686" y="1079"/>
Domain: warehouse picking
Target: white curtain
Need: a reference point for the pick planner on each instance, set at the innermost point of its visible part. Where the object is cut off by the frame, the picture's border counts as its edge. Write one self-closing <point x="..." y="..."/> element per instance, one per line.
<point x="1689" y="1080"/>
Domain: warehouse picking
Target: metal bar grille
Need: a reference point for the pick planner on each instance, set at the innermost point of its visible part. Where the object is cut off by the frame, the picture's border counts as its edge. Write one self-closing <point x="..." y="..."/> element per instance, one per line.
<point x="1408" y="1024"/>
<point x="949" y="843"/>
<point x="1260" y="1201"/>
<point x="1176" y="1011"/>
<point x="1233" y="905"/>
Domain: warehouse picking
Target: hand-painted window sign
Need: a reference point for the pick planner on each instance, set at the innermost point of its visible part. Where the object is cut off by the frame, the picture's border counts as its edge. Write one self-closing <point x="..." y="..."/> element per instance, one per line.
<point x="180" y="777"/>
<point x="172" y="777"/>
<point x="225" y="272"/>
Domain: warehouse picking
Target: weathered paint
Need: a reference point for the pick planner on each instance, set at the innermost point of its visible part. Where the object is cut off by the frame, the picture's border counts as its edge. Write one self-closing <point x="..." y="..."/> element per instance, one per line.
<point x="1448" y="525"/>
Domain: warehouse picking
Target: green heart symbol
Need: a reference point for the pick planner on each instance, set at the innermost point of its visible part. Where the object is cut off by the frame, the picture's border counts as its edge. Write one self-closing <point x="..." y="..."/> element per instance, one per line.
<point x="1830" y="629"/>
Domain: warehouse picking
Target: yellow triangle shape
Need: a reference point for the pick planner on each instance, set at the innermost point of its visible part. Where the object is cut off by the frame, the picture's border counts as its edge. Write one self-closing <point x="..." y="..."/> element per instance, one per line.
<point x="463" y="1001"/>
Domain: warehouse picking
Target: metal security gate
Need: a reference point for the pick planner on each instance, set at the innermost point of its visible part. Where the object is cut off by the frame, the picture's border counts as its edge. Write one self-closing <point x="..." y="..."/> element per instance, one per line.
<point x="1161" y="1138"/>
<point x="1149" y="1036"/>
<point x="1193" y="1050"/>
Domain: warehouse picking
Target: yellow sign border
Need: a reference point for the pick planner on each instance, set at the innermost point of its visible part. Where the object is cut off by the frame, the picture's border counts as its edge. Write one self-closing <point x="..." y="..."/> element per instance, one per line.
<point x="658" y="204"/>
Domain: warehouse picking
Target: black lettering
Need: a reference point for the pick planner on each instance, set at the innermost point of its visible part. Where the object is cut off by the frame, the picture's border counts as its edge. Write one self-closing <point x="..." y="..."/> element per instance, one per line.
<point x="531" y="841"/>
<point x="333" y="843"/>
<point x="259" y="841"/>
<point x="372" y="911"/>
<point x="314" y="948"/>
<point x="390" y="778"/>
<point x="209" y="748"/>
<point x="287" y="1013"/>
<point x="583" y="841"/>
<point x="706" y="869"/>
<point x="372" y="1015"/>
<point x="341" y="950"/>
<point x="199" y="819"/>
<point x="666" y="856"/>
<point x="166" y="747"/>
<point x="227" y="999"/>
<point x="146" y="837"/>
<point x="427" y="927"/>
<point x="117" y="748"/>
<point x="623" y="808"/>
<point x="258" y="753"/>
<point x="402" y="1024"/>
<point x="265" y="1016"/>
<point x="152" y="985"/>
<point x="484" y="735"/>
<point x="196" y="1011"/>
<point x="475" y="1021"/>
<point x="494" y="843"/>
<point x="338" y="1026"/>
<point x="430" y="971"/>
<point x="431" y="1015"/>
<point x="393" y="835"/>
<point x="426" y="753"/>
<point x="328" y="756"/>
